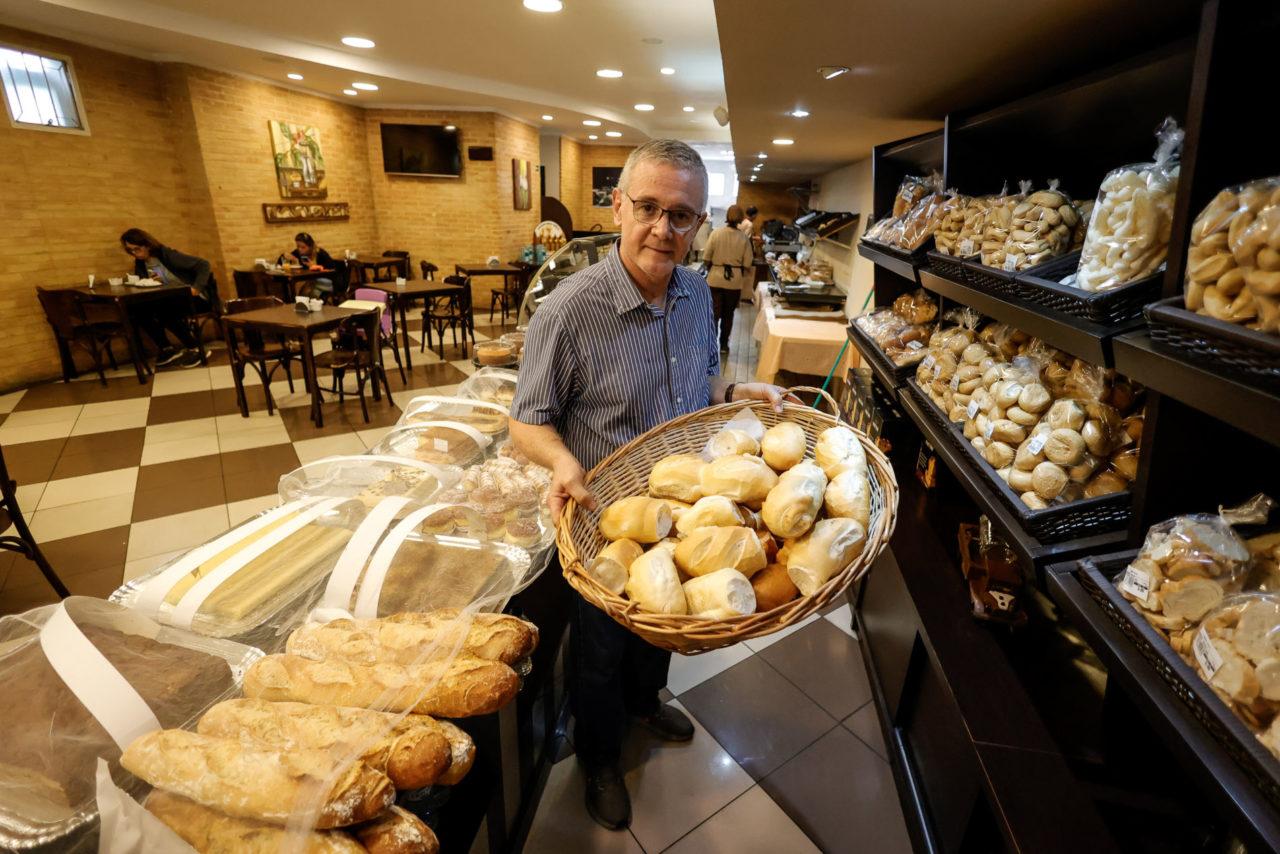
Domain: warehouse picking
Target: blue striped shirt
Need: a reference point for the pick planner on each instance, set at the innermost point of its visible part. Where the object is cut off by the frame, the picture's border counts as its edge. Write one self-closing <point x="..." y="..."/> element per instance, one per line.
<point x="602" y="365"/>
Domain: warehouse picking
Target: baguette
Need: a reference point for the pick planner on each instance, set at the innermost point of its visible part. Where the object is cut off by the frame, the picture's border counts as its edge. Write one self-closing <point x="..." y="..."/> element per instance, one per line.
<point x="712" y="511"/>
<point x="825" y="551"/>
<point x="464" y="754"/>
<point x="496" y="637"/>
<point x="397" y="831"/>
<point x="263" y="785"/>
<point x="413" y="752"/>
<point x="408" y="638"/>
<point x="707" y="550"/>
<point x="210" y="832"/>
<point x="740" y="477"/>
<point x="677" y="477"/>
<point x="839" y="448"/>
<point x="457" y="689"/>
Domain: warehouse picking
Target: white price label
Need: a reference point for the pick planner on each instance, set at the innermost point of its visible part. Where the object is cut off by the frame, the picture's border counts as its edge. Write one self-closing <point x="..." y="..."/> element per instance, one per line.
<point x="988" y="430"/>
<point x="1137" y="583"/>
<point x="971" y="410"/>
<point x="1011" y="262"/>
<point x="914" y="345"/>
<point x="1036" y="443"/>
<point x="966" y="247"/>
<point x="441" y="445"/>
<point x="1209" y="659"/>
<point x="955" y="381"/>
<point x="929" y="362"/>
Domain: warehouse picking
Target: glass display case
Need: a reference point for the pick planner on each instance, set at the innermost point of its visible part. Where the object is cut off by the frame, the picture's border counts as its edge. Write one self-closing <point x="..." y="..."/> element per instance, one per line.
<point x="577" y="254"/>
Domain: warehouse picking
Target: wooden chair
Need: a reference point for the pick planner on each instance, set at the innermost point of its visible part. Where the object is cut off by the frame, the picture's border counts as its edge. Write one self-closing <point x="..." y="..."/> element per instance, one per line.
<point x="202" y="314"/>
<point x="406" y="267"/>
<point x="24" y="544"/>
<point x="429" y="271"/>
<point x="387" y="322"/>
<point x="252" y="349"/>
<point x="253" y="283"/>
<point x="91" y="328"/>
<point x="512" y="292"/>
<point x="357" y="347"/>
<point x="450" y="310"/>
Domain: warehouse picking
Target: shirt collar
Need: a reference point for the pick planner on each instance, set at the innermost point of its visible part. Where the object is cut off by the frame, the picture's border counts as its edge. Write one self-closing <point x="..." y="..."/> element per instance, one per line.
<point x="626" y="296"/>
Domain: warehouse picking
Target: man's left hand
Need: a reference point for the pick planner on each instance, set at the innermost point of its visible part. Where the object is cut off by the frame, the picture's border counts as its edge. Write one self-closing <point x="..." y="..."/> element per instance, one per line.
<point x="772" y="394"/>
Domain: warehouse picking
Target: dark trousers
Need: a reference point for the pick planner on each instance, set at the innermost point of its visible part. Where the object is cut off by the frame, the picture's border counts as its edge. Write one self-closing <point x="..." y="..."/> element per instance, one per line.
<point x="173" y="316"/>
<point x="724" y="302"/>
<point x="613" y="674"/>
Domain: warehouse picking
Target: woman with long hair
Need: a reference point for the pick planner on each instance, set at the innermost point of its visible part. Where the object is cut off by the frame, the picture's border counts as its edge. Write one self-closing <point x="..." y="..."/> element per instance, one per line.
<point x="152" y="259"/>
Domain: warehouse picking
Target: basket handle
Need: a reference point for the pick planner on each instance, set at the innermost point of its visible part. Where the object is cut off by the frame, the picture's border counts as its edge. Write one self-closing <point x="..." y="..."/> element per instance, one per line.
<point x="823" y="394"/>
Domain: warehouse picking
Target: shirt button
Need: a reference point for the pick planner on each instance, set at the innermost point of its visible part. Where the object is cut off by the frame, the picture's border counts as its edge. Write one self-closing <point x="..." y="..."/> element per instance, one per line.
<point x="679" y="400"/>
<point x="673" y="360"/>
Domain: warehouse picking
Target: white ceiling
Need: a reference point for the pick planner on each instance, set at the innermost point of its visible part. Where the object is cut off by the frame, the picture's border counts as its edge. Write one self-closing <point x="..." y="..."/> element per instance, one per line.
<point x="460" y="54"/>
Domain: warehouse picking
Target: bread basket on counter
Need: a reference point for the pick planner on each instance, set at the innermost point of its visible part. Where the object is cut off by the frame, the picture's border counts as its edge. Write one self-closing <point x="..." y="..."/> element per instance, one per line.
<point x="626" y="472"/>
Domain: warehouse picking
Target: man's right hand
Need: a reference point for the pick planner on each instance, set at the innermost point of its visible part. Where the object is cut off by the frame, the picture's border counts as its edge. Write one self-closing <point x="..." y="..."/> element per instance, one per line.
<point x="567" y="482"/>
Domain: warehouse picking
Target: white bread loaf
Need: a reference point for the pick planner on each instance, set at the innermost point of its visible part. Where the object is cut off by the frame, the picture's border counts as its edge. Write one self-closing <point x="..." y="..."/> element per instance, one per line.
<point x="792" y="506"/>
<point x="824" y="552"/>
<point x="739" y="477"/>
<point x="645" y="520"/>
<point x="838" y="448"/>
<point x="783" y="445"/>
<point x="773" y="587"/>
<point x="849" y="496"/>
<point x="706" y="550"/>
<point x="711" y="511"/>
<point x="719" y="595"/>
<point x="677" y="508"/>
<point x="654" y="584"/>
<point x="731" y="441"/>
<point x="610" y="567"/>
<point x="677" y="477"/>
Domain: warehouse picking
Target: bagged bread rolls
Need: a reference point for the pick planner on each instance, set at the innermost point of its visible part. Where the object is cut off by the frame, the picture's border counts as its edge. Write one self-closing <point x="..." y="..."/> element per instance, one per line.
<point x="677" y="477"/>
<point x="731" y="441"/>
<point x="849" y="496"/>
<point x="720" y="594"/>
<point x="792" y="506"/>
<point x="825" y="551"/>
<point x="645" y="520"/>
<point x="612" y="566"/>
<point x="208" y="830"/>
<point x="783" y="445"/>
<point x="742" y="478"/>
<point x="773" y="587"/>
<point x="711" y="511"/>
<point x="708" y="549"/>
<point x="654" y="584"/>
<point x="837" y="448"/>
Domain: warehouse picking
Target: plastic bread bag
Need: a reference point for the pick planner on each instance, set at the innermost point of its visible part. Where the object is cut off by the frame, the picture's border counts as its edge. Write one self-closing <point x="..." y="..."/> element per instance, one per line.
<point x="1081" y="230"/>
<point x="968" y="242"/>
<point x="368" y="478"/>
<point x="912" y="189"/>
<point x="878" y="232"/>
<point x="441" y="443"/>
<point x="493" y="385"/>
<point x="87" y="676"/>
<point x="1233" y="262"/>
<point x="1236" y="651"/>
<point x="951" y="222"/>
<point x="921" y="221"/>
<point x="998" y="225"/>
<point x="490" y="419"/>
<point x="1040" y="228"/>
<point x="917" y="307"/>
<point x="248" y="582"/>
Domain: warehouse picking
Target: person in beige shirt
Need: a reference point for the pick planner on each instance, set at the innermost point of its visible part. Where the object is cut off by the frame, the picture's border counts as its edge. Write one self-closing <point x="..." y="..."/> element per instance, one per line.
<point x="729" y="258"/>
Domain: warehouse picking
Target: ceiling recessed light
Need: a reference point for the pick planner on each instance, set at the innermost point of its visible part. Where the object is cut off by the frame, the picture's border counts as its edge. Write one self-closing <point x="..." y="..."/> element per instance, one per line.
<point x="592" y="136"/>
<point x="295" y="76"/>
<point x="762" y="156"/>
<point x="782" y="140"/>
<point x="757" y="167"/>
<point x="547" y="118"/>
<point x="357" y="41"/>
<point x="687" y="109"/>
<point x="831" y="72"/>
<point x="613" y="133"/>
<point x="543" y="5"/>
<point x="753" y="177"/>
<point x="608" y="72"/>
<point x="350" y="92"/>
<point x="645" y="108"/>
<point x="667" y="69"/>
<point x="591" y="123"/>
<point x="365" y="87"/>
<point x="799" y="114"/>
<point x="450" y="128"/>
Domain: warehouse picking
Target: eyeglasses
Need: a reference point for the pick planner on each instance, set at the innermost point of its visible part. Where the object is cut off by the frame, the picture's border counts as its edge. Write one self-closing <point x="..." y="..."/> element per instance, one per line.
<point x="648" y="213"/>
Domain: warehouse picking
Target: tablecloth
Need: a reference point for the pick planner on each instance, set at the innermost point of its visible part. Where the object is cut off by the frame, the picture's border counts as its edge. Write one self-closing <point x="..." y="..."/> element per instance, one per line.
<point x="799" y="345"/>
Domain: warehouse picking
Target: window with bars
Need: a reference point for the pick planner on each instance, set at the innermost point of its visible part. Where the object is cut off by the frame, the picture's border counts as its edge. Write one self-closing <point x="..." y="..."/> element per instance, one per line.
<point x="40" y="90"/>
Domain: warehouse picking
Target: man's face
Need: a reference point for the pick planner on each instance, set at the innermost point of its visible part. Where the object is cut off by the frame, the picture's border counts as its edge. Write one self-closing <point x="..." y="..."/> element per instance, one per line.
<point x="651" y="252"/>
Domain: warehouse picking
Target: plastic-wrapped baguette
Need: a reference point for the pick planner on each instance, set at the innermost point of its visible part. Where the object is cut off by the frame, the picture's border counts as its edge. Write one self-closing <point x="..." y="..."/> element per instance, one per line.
<point x="839" y="448"/>
<point x="409" y="638"/>
<point x="210" y="832"/>
<point x="397" y="831"/>
<point x="497" y="637"/>
<point x="792" y="506"/>
<point x="849" y="495"/>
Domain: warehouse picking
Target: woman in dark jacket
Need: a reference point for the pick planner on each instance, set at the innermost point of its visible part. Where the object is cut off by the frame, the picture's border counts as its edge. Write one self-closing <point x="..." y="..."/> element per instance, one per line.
<point x="152" y="259"/>
<point x="306" y="253"/>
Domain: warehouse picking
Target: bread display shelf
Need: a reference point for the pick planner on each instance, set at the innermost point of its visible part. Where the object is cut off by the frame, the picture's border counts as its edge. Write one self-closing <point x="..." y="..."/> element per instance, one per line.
<point x="1246" y="354"/>
<point x="1235" y="771"/>
<point x="1115" y="307"/>
<point x="891" y="376"/>
<point x="895" y="260"/>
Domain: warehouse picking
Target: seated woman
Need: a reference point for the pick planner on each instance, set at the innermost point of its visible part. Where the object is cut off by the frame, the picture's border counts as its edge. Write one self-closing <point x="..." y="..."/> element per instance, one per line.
<point x="306" y="253"/>
<point x="152" y="259"/>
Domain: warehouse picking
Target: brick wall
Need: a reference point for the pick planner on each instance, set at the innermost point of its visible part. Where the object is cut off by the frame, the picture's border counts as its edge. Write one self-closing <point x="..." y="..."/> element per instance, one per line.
<point x="515" y="139"/>
<point x="571" y="177"/>
<point x="585" y="216"/>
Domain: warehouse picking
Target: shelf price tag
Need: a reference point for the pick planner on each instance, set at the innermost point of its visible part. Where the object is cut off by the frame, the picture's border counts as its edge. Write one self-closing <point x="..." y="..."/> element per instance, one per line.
<point x="966" y="247"/>
<point x="441" y="445"/>
<point x="971" y="410"/>
<point x="1137" y="583"/>
<point x="929" y="362"/>
<point x="1209" y="659"/>
<point x="914" y="345"/>
<point x="1011" y="262"/>
<point x="1036" y="444"/>
<point x="988" y="430"/>
<point x="955" y="381"/>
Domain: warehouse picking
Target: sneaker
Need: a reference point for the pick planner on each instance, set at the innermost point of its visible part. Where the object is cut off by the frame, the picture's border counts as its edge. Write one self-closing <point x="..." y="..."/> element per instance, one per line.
<point x="607" y="800"/>
<point x="167" y="357"/>
<point x="190" y="359"/>
<point x="668" y="723"/>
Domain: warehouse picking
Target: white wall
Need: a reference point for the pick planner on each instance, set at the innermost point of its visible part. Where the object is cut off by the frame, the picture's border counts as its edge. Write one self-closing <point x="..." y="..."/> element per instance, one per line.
<point x="847" y="189"/>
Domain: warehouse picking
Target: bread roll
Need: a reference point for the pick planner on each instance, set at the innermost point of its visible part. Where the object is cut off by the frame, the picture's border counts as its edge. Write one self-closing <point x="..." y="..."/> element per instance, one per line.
<point x="1020" y="480"/>
<point x="849" y="496"/>
<point x="773" y="587"/>
<point x="742" y="478"/>
<point x="654" y="584"/>
<point x="611" y="567"/>
<point x="1105" y="483"/>
<point x="264" y="785"/>
<point x="783" y="445"/>
<point x="838" y="447"/>
<point x="711" y="511"/>
<point x="677" y="477"/>
<point x="210" y="832"/>
<point x="792" y="506"/>
<point x="397" y="831"/>
<point x="463" y="687"/>
<point x="409" y="638"/>
<point x="1065" y="447"/>
<point x="413" y="752"/>
<point x="1048" y="480"/>
<point x="706" y="550"/>
<point x="998" y="454"/>
<point x="645" y="520"/>
<point x="677" y="508"/>
<point x="825" y="551"/>
<point x="731" y="441"/>
<point x="1066" y="414"/>
<point x="719" y="595"/>
<point x="463" y="750"/>
<point x="1034" y="398"/>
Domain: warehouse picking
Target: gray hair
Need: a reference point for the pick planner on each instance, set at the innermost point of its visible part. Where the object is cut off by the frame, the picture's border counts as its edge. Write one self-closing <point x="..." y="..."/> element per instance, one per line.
<point x="671" y="152"/>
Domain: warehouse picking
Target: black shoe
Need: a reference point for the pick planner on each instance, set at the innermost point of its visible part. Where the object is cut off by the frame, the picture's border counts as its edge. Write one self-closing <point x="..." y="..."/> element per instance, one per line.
<point x="167" y="357"/>
<point x="190" y="359"/>
<point x="607" y="800"/>
<point x="668" y="723"/>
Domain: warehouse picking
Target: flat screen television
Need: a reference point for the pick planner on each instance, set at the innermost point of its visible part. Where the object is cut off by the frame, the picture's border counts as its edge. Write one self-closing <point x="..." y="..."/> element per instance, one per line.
<point x="421" y="150"/>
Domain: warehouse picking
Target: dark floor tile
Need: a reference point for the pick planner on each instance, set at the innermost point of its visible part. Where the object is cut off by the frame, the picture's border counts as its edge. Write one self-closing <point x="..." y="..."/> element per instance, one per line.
<point x="256" y="471"/>
<point x="297" y="420"/>
<point x="73" y="556"/>
<point x="382" y="413"/>
<point x="48" y="395"/>
<point x="99" y="452"/>
<point x="33" y="462"/>
<point x="824" y="663"/>
<point x="759" y="717"/>
<point x="28" y="596"/>
<point x="175" y="474"/>
<point x="190" y="494"/>
<point x="168" y="408"/>
<point x="865" y="724"/>
<point x="842" y="795"/>
<point x="426" y="376"/>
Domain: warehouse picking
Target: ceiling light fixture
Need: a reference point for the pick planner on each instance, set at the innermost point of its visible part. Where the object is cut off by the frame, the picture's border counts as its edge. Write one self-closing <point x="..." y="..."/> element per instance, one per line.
<point x="753" y="177"/>
<point x="357" y="41"/>
<point x="611" y="73"/>
<point x="546" y="118"/>
<point x="757" y="167"/>
<point x="295" y="76"/>
<point x="592" y="136"/>
<point x="762" y="156"/>
<point x="365" y="87"/>
<point x="799" y="114"/>
<point x="450" y="128"/>
<point x="782" y="140"/>
<point x="667" y="69"/>
<point x="350" y="92"/>
<point x="831" y="72"/>
<point x="687" y="108"/>
<point x="613" y="133"/>
<point x="591" y="123"/>
<point x="645" y="108"/>
<point x="543" y="5"/>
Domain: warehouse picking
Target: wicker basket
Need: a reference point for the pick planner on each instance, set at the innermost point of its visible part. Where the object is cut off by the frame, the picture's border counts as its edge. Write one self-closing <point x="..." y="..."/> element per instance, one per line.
<point x="1221" y="347"/>
<point x="626" y="472"/>
<point x="1042" y="285"/>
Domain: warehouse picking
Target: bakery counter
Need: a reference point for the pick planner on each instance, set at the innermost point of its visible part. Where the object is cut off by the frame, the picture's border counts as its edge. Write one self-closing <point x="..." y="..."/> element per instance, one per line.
<point x="803" y="343"/>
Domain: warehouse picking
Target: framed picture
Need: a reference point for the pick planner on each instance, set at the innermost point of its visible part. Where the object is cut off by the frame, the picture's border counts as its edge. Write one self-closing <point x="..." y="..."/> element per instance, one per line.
<point x="305" y="211"/>
<point x="521" y="184"/>
<point x="603" y="180"/>
<point x="299" y="160"/>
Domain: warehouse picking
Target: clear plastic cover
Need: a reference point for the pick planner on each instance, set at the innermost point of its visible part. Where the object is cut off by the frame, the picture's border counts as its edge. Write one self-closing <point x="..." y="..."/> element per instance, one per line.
<point x="946" y="236"/>
<point x="998" y="225"/>
<point x="902" y="342"/>
<point x="511" y="497"/>
<point x="489" y="419"/>
<point x="449" y="443"/>
<point x="494" y="385"/>
<point x="368" y="478"/>
<point x="1236" y="651"/>
<point x="1040" y="228"/>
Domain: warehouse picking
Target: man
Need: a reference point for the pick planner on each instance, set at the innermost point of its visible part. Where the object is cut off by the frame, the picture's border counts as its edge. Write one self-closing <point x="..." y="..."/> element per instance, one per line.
<point x="618" y="348"/>
<point x="748" y="225"/>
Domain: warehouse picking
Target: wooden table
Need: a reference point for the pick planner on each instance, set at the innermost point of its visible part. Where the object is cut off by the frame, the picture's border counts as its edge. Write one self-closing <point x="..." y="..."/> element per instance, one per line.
<point x="506" y="271"/>
<point x="806" y="345"/>
<point x="382" y="268"/>
<point x="129" y="299"/>
<point x="399" y="298"/>
<point x="288" y="321"/>
<point x="288" y="277"/>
